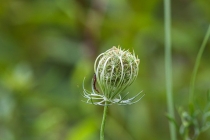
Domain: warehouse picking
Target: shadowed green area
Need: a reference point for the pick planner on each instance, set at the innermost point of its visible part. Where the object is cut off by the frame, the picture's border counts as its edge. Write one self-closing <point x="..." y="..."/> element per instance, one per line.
<point x="47" y="47"/>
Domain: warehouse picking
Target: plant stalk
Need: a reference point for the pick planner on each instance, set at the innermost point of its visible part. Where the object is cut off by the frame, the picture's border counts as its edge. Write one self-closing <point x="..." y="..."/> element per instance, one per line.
<point x="168" y="66"/>
<point x="197" y="62"/>
<point x="103" y="121"/>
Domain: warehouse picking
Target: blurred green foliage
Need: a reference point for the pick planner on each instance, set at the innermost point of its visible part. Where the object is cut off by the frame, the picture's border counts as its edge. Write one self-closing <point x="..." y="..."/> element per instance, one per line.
<point x="47" y="47"/>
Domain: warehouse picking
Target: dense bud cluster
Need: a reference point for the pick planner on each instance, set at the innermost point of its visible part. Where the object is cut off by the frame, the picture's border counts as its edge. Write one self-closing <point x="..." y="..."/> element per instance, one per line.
<point x="115" y="70"/>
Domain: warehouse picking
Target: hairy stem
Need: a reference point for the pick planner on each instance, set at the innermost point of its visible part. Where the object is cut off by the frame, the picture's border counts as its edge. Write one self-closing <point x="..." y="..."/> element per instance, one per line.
<point x="103" y="121"/>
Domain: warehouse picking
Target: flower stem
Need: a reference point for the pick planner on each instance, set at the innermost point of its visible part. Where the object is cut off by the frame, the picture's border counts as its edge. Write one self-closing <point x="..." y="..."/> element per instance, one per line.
<point x="197" y="62"/>
<point x="168" y="66"/>
<point x="103" y="121"/>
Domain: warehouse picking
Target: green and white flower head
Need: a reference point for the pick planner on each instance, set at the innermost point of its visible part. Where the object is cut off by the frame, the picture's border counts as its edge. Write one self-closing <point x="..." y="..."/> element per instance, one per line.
<point x="115" y="70"/>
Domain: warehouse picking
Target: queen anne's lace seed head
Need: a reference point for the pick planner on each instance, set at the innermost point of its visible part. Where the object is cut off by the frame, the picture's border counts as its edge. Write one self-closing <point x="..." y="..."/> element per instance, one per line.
<point x="115" y="70"/>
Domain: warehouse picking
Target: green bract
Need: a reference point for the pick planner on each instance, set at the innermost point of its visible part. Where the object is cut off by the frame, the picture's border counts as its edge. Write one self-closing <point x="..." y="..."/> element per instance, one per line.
<point x="115" y="70"/>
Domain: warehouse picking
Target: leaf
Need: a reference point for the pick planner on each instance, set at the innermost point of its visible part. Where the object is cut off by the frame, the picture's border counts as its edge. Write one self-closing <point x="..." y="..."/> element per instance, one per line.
<point x="171" y="119"/>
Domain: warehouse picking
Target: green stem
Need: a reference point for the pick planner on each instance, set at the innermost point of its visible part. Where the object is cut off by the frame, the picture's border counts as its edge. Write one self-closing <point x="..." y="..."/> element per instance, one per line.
<point x="168" y="66"/>
<point x="103" y="121"/>
<point x="197" y="62"/>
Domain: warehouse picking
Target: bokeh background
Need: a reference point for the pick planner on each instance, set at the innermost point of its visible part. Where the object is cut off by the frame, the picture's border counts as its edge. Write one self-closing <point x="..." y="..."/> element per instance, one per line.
<point x="47" y="47"/>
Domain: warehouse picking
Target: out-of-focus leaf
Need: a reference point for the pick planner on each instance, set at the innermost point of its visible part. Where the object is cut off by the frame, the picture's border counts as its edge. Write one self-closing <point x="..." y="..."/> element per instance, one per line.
<point x="84" y="130"/>
<point x="48" y="121"/>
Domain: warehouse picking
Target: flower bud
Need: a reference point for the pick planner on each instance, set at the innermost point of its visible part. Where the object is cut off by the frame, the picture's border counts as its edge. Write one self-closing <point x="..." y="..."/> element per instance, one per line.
<point x="115" y="70"/>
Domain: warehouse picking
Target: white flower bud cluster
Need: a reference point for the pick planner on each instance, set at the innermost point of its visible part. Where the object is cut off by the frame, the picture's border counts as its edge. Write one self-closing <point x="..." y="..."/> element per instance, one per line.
<point x="115" y="70"/>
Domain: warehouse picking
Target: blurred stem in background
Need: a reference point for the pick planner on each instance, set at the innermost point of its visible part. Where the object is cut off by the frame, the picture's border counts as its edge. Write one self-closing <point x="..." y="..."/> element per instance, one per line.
<point x="168" y="66"/>
<point x="192" y="125"/>
<point x="195" y="69"/>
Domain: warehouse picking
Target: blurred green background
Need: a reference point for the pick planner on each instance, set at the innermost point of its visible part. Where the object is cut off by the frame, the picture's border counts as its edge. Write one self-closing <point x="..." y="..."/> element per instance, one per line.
<point x="47" y="47"/>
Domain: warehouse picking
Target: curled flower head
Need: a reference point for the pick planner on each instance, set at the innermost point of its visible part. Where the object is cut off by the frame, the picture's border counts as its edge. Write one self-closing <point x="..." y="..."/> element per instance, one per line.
<point x="115" y="70"/>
